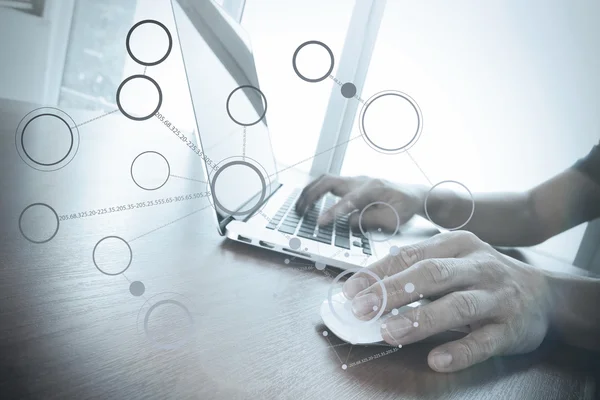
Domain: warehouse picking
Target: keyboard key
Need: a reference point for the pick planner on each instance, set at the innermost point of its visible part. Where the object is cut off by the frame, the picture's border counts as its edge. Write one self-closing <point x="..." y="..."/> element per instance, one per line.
<point x="322" y="240"/>
<point x="289" y="225"/>
<point x="287" y="229"/>
<point x="305" y="235"/>
<point x="357" y="243"/>
<point x="342" y="242"/>
<point x="322" y="233"/>
<point x="367" y="251"/>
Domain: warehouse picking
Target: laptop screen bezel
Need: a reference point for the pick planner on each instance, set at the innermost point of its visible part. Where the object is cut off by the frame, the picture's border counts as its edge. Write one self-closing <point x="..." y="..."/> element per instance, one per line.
<point x="214" y="21"/>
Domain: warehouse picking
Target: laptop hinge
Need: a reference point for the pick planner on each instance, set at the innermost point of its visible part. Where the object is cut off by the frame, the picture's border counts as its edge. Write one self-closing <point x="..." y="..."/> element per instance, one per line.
<point x="227" y="220"/>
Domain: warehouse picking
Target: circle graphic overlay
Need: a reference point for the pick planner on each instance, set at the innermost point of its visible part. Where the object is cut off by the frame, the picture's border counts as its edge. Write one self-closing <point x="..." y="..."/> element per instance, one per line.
<point x="463" y="187"/>
<point x="357" y="270"/>
<point x="166" y="321"/>
<point x="374" y="204"/>
<point x="295" y="61"/>
<point x="238" y="101"/>
<point x="295" y="243"/>
<point x="47" y="139"/>
<point x="139" y="79"/>
<point x="348" y="90"/>
<point x="137" y="288"/>
<point x="32" y="215"/>
<point x="250" y="180"/>
<point x="406" y="107"/>
<point x="110" y="253"/>
<point x="151" y="169"/>
<point x="148" y="22"/>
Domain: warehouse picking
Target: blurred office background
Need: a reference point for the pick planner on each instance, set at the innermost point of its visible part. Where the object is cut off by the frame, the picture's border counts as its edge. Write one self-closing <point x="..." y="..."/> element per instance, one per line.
<point x="509" y="90"/>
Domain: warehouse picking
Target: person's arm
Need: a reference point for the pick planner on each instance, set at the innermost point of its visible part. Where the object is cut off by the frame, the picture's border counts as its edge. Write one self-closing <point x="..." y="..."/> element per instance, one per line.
<point x="500" y="219"/>
<point x="521" y="219"/>
<point x="573" y="314"/>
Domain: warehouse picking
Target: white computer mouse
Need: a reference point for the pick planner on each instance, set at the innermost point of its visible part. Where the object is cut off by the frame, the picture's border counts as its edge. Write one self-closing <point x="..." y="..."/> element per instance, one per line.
<point x="338" y="317"/>
<point x="340" y="320"/>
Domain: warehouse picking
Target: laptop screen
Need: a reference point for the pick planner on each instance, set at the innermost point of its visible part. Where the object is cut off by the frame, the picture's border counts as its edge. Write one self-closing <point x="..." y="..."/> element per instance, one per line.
<point x="229" y="108"/>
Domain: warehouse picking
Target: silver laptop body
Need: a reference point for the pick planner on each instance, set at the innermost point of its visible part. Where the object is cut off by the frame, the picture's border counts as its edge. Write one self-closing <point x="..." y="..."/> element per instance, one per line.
<point x="252" y="205"/>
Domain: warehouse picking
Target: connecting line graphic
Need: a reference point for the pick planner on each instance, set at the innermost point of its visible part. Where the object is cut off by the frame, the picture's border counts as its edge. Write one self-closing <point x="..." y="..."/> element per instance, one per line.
<point x="332" y="348"/>
<point x="168" y="124"/>
<point x="244" y="146"/>
<point x="133" y="206"/>
<point x="316" y="155"/>
<point x="170" y="223"/>
<point x="348" y="356"/>
<point x="94" y="119"/>
<point x="133" y="283"/>
<point x="345" y="365"/>
<point x="420" y="169"/>
<point x="187" y="179"/>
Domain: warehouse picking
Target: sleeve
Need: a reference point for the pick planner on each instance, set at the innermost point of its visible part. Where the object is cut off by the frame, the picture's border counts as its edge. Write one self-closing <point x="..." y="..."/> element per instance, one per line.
<point x="590" y="164"/>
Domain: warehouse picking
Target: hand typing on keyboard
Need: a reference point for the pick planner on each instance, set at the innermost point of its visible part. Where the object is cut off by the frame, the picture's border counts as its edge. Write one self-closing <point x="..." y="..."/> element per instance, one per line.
<point x="357" y="193"/>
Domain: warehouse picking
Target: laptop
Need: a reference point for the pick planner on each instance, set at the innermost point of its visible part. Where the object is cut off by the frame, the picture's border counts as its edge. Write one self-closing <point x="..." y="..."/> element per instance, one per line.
<point x="252" y="203"/>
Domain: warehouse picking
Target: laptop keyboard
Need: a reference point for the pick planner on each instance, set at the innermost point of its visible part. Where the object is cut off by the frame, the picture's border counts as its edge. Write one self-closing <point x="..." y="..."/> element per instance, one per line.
<point x="338" y="232"/>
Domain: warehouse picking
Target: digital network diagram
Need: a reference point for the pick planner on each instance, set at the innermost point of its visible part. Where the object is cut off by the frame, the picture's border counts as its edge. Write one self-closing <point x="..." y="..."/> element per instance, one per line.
<point x="58" y="119"/>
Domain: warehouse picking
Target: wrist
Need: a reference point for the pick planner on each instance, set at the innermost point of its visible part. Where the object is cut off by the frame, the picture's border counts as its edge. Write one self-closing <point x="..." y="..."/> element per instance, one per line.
<point x="572" y="314"/>
<point x="419" y="196"/>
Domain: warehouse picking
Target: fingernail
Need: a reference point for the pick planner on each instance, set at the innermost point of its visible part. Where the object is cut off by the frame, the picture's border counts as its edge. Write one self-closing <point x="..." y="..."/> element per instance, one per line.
<point x="441" y="360"/>
<point x="354" y="286"/>
<point x="364" y="304"/>
<point x="398" y="327"/>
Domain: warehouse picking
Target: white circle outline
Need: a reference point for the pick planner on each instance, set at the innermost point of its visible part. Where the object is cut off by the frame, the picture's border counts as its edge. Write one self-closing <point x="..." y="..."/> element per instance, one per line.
<point x="361" y="121"/>
<point x="373" y="204"/>
<point x="472" y="202"/>
<point x="356" y="270"/>
<point x="183" y="302"/>
<point x="256" y="208"/>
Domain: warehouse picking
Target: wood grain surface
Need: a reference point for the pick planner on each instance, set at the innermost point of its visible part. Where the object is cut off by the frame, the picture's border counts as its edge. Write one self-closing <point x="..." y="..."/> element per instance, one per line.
<point x="67" y="331"/>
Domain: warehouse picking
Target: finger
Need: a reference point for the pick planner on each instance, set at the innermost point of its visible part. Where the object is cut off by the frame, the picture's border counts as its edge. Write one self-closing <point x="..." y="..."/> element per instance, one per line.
<point x="443" y="245"/>
<point x="345" y="205"/>
<point x="301" y="202"/>
<point x="474" y="348"/>
<point x="432" y="277"/>
<point x="325" y="185"/>
<point x="455" y="310"/>
<point x="353" y="220"/>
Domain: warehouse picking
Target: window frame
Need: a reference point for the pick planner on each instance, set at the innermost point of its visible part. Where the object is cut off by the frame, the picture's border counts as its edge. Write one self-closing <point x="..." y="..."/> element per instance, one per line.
<point x="59" y="13"/>
<point x="353" y="66"/>
<point x="235" y="8"/>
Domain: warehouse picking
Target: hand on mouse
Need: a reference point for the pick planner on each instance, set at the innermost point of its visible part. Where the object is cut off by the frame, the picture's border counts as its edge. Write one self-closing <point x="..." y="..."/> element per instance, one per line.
<point x="505" y="301"/>
<point x="357" y="193"/>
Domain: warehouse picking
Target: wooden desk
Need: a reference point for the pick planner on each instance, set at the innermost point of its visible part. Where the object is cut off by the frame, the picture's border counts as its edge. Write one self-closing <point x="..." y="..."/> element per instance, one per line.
<point x="69" y="331"/>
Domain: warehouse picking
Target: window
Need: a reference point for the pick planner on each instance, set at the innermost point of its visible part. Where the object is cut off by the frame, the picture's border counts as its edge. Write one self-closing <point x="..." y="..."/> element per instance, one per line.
<point x="296" y="108"/>
<point x="33" y="7"/>
<point x="96" y="54"/>
<point x="508" y="92"/>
